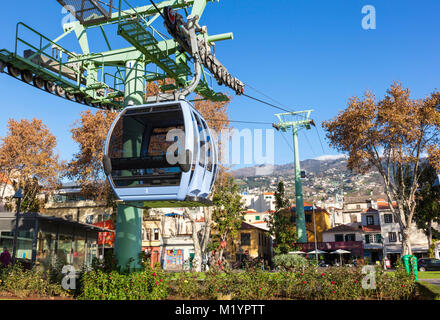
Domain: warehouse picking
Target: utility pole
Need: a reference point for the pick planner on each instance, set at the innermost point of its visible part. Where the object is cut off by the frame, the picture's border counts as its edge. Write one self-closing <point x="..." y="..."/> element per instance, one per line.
<point x="296" y="121"/>
<point x="314" y="231"/>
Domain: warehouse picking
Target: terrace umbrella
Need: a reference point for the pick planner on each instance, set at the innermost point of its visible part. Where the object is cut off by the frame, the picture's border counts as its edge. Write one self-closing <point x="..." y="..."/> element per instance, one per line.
<point x="297" y="252"/>
<point x="316" y="251"/>
<point x="340" y="252"/>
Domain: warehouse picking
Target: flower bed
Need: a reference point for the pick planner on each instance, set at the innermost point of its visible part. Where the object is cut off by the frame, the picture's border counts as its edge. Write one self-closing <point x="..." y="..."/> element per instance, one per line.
<point x="311" y="284"/>
<point x="145" y="285"/>
<point x="17" y="282"/>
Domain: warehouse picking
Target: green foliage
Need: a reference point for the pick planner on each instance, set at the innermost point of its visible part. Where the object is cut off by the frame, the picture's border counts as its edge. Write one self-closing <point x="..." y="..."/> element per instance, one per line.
<point x="428" y="200"/>
<point x="228" y="211"/>
<point x="281" y="225"/>
<point x="144" y="285"/>
<point x="290" y="262"/>
<point x="337" y="283"/>
<point x="23" y="283"/>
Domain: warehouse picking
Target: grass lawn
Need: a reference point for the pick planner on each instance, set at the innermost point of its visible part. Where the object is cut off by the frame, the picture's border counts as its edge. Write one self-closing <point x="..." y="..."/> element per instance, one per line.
<point x="429" y="275"/>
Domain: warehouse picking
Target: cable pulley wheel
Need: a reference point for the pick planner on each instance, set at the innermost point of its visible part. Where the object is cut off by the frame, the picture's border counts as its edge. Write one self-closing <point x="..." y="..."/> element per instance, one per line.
<point x="38" y="82"/>
<point x="70" y="96"/>
<point x="13" y="71"/>
<point x="27" y="76"/>
<point x="79" y="98"/>
<point x="49" y="86"/>
<point x="59" y="91"/>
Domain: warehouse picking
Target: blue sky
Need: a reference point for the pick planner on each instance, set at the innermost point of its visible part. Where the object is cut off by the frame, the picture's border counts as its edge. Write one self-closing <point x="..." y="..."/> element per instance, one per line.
<point x="303" y="53"/>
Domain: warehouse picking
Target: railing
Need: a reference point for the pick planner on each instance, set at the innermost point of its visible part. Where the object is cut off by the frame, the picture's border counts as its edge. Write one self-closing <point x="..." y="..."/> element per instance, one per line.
<point x="40" y="52"/>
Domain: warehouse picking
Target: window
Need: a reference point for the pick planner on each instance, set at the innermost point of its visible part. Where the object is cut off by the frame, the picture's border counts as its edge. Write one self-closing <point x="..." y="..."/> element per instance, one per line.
<point x="388" y="218"/>
<point x="392" y="237"/>
<point x="89" y="219"/>
<point x="370" y="220"/>
<point x="350" y="237"/>
<point x="308" y="218"/>
<point x="339" y="237"/>
<point x="257" y="218"/>
<point x="378" y="238"/>
<point x="368" y="238"/>
<point x="245" y="239"/>
<point x="156" y="234"/>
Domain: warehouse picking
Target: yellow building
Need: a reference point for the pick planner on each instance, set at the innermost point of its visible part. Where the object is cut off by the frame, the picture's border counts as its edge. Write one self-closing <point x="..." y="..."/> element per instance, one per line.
<point x="252" y="241"/>
<point x="322" y="221"/>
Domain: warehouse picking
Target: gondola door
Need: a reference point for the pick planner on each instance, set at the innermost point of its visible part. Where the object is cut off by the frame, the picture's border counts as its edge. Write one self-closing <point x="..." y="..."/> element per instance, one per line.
<point x="197" y="169"/>
<point x="209" y="150"/>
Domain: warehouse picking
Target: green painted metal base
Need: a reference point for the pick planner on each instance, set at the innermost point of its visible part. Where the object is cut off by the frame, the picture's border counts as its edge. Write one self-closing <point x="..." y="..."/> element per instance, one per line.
<point x="128" y="237"/>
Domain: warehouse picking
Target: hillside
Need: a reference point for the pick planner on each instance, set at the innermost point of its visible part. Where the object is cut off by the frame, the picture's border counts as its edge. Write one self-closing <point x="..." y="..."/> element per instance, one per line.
<point x="324" y="178"/>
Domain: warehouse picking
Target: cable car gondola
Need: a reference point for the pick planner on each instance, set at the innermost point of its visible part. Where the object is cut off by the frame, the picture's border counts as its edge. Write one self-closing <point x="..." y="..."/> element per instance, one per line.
<point x="161" y="155"/>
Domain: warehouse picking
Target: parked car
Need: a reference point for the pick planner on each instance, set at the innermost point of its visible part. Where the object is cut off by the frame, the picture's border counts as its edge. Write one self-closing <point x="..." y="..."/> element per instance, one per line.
<point x="427" y="264"/>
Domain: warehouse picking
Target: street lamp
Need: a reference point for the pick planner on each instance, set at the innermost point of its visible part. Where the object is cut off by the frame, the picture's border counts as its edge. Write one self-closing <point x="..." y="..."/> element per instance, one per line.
<point x="18" y="195"/>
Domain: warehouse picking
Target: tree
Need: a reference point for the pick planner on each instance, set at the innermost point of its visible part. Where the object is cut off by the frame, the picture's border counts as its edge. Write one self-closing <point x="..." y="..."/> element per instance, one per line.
<point x="90" y="132"/>
<point x="391" y="135"/>
<point x="280" y="223"/>
<point x="427" y="202"/>
<point x="227" y="214"/>
<point x="27" y="157"/>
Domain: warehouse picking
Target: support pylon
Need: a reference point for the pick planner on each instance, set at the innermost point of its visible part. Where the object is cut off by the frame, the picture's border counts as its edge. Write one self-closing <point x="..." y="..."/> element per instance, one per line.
<point x="297" y="121"/>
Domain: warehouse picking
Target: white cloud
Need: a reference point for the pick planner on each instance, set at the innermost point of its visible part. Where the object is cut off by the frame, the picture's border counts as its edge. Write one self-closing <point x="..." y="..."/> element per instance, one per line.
<point x="331" y="157"/>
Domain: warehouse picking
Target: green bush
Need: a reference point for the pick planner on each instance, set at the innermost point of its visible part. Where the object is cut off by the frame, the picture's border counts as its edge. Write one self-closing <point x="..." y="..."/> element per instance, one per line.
<point x="22" y="283"/>
<point x="338" y="283"/>
<point x="143" y="285"/>
<point x="290" y="262"/>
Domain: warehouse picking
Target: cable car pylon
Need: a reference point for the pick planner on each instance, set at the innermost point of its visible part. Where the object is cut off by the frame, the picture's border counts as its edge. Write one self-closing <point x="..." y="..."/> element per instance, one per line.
<point x="115" y="79"/>
<point x="296" y="121"/>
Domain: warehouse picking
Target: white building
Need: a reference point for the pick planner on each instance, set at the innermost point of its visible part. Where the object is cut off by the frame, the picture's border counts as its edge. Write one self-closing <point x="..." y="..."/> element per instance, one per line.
<point x="260" y="202"/>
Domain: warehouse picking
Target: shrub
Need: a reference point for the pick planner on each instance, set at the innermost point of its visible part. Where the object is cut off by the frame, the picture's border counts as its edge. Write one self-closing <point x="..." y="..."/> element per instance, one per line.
<point x="144" y="285"/>
<point x="338" y="283"/>
<point x="22" y="283"/>
<point x="290" y="262"/>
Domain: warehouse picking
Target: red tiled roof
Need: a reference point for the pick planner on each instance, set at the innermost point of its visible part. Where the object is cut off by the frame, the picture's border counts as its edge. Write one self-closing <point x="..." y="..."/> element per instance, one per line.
<point x="370" y="210"/>
<point x="385" y="205"/>
<point x="373" y="228"/>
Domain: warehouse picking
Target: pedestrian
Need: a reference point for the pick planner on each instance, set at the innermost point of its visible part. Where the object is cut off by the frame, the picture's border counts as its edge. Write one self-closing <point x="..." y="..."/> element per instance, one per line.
<point x="5" y="258"/>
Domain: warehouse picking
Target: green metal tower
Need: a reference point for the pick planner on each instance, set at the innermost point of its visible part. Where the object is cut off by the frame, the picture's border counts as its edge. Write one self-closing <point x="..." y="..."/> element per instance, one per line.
<point x="296" y="121"/>
<point x="117" y="77"/>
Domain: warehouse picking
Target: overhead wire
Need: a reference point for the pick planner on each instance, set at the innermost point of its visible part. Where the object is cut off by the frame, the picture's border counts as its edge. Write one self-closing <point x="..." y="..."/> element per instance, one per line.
<point x="320" y="141"/>
<point x="267" y="96"/>
<point x="265" y="102"/>
<point x="239" y="121"/>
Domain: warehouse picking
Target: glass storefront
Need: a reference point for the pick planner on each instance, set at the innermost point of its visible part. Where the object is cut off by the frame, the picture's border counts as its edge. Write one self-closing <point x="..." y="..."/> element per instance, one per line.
<point x="79" y="251"/>
<point x="24" y="243"/>
<point x="6" y="240"/>
<point x="65" y="251"/>
<point x="45" y="249"/>
<point x="56" y="241"/>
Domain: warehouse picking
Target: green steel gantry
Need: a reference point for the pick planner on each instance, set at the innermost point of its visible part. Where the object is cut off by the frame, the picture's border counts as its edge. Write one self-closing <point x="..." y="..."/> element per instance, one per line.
<point x="114" y="78"/>
<point x="296" y="121"/>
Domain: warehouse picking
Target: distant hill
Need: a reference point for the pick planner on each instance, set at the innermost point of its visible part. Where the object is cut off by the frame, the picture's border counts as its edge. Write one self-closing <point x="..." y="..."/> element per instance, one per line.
<point x="325" y="177"/>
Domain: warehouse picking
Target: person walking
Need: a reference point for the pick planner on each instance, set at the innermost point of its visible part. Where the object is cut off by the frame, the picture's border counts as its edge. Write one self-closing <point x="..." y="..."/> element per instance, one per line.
<point x="5" y="258"/>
